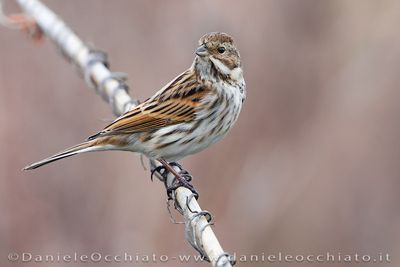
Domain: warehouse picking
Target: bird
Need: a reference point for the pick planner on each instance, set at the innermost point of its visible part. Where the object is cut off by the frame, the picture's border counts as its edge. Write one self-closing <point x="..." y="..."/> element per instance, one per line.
<point x="193" y="111"/>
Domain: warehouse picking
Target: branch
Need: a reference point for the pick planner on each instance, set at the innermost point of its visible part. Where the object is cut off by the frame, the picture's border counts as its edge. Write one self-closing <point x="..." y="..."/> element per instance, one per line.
<point x="112" y="87"/>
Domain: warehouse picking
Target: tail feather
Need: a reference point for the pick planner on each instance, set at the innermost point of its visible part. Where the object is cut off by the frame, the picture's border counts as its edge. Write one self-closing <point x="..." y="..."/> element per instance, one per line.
<point x="81" y="148"/>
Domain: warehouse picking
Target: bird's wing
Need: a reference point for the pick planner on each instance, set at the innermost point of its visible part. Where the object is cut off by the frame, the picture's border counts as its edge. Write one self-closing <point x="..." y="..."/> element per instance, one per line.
<point x="175" y="103"/>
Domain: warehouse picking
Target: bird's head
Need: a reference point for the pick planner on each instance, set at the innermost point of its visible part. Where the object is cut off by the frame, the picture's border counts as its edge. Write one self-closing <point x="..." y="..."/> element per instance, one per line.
<point x="219" y="51"/>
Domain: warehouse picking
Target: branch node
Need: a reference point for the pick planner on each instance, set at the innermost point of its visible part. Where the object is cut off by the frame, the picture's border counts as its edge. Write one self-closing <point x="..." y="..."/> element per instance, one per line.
<point x="94" y="57"/>
<point x="225" y="258"/>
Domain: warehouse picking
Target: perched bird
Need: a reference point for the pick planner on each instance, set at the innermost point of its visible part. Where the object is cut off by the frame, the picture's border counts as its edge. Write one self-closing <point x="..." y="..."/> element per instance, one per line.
<point x="193" y="111"/>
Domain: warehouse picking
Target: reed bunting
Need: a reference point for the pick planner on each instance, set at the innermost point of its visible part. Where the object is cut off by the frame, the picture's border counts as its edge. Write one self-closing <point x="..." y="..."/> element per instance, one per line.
<point x="193" y="111"/>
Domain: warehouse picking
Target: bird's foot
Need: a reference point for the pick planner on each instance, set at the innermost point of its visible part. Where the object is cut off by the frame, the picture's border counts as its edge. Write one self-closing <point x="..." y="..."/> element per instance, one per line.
<point x="182" y="177"/>
<point x="160" y="170"/>
<point x="184" y="173"/>
<point x="181" y="181"/>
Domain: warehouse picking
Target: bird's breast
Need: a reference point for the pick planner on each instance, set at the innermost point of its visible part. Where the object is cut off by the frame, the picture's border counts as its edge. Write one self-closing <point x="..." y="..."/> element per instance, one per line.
<point x="214" y="118"/>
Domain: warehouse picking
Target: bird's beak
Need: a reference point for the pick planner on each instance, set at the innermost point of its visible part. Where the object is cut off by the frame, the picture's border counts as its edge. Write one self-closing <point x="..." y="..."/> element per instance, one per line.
<point x="201" y="51"/>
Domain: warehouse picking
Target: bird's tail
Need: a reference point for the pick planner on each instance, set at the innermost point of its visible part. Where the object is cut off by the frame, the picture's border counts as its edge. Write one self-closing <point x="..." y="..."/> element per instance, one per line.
<point x="88" y="146"/>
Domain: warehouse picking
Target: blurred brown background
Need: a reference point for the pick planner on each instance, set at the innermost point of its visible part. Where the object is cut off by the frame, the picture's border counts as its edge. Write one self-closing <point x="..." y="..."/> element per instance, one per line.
<point x="311" y="167"/>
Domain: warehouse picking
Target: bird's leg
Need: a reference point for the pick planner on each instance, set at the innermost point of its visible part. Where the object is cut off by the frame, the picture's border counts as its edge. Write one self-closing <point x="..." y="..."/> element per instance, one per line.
<point x="183" y="172"/>
<point x="183" y="178"/>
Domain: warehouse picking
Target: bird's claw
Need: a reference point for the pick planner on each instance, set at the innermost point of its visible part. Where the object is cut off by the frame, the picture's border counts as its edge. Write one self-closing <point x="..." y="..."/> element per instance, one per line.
<point x="183" y="180"/>
<point x="161" y="170"/>
<point x="184" y="173"/>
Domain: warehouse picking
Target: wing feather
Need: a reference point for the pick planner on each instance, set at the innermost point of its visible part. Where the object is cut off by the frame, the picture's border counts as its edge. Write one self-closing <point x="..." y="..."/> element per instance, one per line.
<point x="176" y="103"/>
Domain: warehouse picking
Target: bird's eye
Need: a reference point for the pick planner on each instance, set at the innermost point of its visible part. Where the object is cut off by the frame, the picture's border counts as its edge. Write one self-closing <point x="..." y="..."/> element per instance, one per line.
<point x="221" y="49"/>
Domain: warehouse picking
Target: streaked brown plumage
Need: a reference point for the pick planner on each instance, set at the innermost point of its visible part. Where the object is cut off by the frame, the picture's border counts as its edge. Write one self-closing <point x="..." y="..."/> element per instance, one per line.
<point x="193" y="111"/>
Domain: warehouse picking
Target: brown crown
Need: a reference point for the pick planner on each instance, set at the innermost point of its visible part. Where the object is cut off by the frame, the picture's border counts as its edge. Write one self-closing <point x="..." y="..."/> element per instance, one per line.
<point x="216" y="37"/>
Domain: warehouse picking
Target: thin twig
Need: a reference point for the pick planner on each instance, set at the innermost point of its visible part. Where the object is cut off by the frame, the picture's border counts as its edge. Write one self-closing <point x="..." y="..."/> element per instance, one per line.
<point x="5" y="21"/>
<point x="112" y="87"/>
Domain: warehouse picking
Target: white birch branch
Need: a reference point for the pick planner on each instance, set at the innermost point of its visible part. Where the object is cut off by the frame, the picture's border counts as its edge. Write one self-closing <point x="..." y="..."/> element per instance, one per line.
<point x="113" y="89"/>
